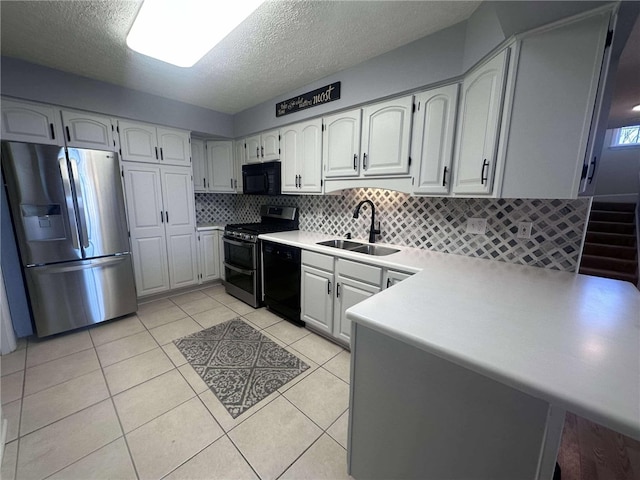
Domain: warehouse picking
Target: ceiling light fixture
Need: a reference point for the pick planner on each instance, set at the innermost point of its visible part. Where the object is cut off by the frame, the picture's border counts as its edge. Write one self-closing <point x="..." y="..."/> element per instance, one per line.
<point x="636" y="108"/>
<point x="181" y="32"/>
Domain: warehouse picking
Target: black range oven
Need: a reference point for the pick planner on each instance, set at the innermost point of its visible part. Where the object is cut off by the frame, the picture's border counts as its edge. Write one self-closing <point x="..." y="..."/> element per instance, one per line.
<point x="242" y="251"/>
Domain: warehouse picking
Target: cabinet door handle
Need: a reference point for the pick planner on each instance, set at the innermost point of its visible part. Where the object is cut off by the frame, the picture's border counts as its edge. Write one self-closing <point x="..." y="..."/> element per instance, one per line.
<point x="166" y="214"/>
<point x="389" y="279"/>
<point x="262" y="152"/>
<point x="444" y="177"/>
<point x="328" y="288"/>
<point x="258" y="152"/>
<point x="231" y="182"/>
<point x="53" y="132"/>
<point x="593" y="171"/>
<point x="236" y="183"/>
<point x="161" y="217"/>
<point x="337" y="290"/>
<point x="364" y="161"/>
<point x="355" y="161"/>
<point x="68" y="134"/>
<point x="156" y="153"/>
<point x="483" y="179"/>
<point x="161" y="154"/>
<point x="204" y="182"/>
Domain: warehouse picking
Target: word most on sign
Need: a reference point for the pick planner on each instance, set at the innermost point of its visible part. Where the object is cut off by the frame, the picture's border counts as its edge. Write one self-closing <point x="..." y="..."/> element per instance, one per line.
<point x="314" y="98"/>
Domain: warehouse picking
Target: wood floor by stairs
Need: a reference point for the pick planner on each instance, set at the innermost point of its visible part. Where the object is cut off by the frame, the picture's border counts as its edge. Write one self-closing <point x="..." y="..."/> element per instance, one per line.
<point x="610" y="247"/>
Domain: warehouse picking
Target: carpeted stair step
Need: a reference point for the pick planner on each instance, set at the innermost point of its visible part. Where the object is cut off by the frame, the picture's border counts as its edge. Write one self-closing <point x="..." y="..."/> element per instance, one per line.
<point x="611" y="239"/>
<point x="612" y="227"/>
<point x="614" y="207"/>
<point x="608" y="263"/>
<point x="615" y="251"/>
<point x="627" y="277"/>
<point x="607" y="216"/>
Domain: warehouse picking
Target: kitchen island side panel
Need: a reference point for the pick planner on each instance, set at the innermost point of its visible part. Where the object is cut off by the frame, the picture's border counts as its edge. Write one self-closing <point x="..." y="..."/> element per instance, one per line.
<point x="415" y="415"/>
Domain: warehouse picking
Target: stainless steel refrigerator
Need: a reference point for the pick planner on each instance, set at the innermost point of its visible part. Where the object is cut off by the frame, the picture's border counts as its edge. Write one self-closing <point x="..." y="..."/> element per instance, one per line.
<point x="69" y="219"/>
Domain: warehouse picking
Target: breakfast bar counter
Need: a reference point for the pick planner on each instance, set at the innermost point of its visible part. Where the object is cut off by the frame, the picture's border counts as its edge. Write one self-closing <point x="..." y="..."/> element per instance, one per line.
<point x="466" y="369"/>
<point x="476" y="362"/>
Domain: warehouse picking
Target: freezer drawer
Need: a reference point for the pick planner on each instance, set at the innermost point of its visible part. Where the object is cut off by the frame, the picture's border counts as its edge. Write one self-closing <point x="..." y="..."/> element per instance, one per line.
<point x="75" y="294"/>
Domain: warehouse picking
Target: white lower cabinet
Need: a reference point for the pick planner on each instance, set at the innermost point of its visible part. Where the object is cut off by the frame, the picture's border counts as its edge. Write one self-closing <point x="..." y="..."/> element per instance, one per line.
<point x="391" y="277"/>
<point x="161" y="217"/>
<point x="355" y="282"/>
<point x="316" y="291"/>
<point x="329" y="287"/>
<point x="209" y="255"/>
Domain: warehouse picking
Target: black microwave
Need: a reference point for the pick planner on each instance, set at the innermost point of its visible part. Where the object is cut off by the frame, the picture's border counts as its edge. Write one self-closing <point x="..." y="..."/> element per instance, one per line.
<point x="262" y="178"/>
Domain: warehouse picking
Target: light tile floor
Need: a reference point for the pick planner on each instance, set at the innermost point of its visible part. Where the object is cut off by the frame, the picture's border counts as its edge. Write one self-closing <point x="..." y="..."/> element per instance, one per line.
<point x="119" y="401"/>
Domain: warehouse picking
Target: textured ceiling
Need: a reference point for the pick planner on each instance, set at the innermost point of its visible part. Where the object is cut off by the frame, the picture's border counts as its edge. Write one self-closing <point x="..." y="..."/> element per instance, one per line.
<point x="282" y="46"/>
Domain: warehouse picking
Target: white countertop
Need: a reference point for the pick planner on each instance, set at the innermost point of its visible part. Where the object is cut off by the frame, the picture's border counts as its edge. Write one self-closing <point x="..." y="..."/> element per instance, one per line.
<point x="572" y="340"/>
<point x="201" y="227"/>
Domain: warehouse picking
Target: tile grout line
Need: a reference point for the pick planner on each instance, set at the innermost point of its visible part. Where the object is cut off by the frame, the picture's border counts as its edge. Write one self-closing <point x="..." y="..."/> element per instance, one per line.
<point x="18" y="439"/>
<point x="113" y="405"/>
<point x="225" y="433"/>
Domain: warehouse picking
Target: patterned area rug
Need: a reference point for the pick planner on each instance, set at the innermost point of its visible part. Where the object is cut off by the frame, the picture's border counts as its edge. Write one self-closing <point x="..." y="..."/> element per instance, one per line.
<point x="239" y="364"/>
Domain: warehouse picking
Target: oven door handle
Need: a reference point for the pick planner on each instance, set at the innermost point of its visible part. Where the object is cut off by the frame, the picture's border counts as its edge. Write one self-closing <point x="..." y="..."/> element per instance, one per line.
<point x="237" y="244"/>
<point x="239" y="270"/>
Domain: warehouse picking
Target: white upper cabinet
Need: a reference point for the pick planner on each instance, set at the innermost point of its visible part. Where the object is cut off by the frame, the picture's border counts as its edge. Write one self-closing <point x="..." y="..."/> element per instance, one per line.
<point x="559" y="74"/>
<point x="87" y="130"/>
<point x="288" y="158"/>
<point x="30" y="122"/>
<point x="221" y="167"/>
<point x="141" y="142"/>
<point x="270" y="146"/>
<point x="263" y="147"/>
<point x="386" y="133"/>
<point x="301" y="157"/>
<point x="341" y="144"/>
<point x="252" y="149"/>
<point x="174" y="145"/>
<point x="239" y="159"/>
<point x="479" y="127"/>
<point x="432" y="140"/>
<point x="138" y="141"/>
<point x="199" y="162"/>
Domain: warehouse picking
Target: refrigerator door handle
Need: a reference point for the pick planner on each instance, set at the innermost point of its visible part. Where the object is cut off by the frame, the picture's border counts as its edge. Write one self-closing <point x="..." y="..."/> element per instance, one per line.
<point x="80" y="201"/>
<point x="84" y="264"/>
<point x="71" y="211"/>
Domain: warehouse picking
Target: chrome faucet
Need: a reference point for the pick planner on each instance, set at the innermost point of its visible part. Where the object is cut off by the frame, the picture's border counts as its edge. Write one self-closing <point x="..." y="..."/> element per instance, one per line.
<point x="372" y="231"/>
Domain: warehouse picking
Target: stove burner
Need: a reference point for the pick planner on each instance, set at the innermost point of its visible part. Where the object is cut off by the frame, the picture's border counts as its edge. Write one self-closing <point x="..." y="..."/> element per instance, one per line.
<point x="274" y="219"/>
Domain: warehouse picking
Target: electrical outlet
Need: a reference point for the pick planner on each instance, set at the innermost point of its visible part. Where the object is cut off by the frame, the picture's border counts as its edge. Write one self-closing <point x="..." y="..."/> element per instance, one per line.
<point x="524" y="229"/>
<point x="476" y="225"/>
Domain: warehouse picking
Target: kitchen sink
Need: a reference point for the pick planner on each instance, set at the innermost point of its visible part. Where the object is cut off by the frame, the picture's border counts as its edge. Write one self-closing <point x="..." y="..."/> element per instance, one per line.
<point x="343" y="244"/>
<point x="359" y="247"/>
<point x="374" y="250"/>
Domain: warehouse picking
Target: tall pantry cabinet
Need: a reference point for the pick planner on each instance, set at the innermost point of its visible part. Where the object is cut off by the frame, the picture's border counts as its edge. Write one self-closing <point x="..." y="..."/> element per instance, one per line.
<point x="160" y="207"/>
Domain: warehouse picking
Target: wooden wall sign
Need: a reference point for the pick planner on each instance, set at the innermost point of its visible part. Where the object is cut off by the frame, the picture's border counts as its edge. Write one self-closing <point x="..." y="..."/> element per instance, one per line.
<point x="314" y="98"/>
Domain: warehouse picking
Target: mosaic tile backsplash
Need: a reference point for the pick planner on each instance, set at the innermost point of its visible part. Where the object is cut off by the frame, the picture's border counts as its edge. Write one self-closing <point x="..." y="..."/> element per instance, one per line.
<point x="437" y="224"/>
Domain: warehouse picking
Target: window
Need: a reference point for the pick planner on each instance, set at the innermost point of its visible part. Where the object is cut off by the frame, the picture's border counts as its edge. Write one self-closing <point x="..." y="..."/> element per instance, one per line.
<point x="626" y="136"/>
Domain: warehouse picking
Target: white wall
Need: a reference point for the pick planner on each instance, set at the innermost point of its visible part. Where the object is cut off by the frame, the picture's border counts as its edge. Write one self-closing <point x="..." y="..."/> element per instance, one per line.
<point x="42" y="84"/>
<point x="618" y="171"/>
<point x="440" y="57"/>
<point x="428" y="60"/>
